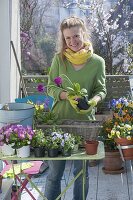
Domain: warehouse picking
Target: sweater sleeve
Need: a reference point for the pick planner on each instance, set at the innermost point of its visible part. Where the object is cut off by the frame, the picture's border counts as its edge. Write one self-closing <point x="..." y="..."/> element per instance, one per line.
<point x="52" y="89"/>
<point x="100" y="86"/>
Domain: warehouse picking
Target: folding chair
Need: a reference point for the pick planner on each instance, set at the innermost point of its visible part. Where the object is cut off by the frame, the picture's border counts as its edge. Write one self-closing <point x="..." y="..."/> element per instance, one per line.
<point x="37" y="99"/>
<point x="34" y="169"/>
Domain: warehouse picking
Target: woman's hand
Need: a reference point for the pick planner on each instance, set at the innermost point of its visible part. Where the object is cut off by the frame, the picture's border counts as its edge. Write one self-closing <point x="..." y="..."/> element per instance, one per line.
<point x="63" y="95"/>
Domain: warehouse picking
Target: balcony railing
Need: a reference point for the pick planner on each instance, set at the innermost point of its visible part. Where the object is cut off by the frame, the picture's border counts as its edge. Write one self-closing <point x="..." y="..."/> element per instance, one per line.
<point x="117" y="86"/>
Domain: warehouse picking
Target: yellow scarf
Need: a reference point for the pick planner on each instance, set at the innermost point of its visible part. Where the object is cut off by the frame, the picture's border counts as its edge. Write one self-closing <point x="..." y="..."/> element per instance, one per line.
<point x="81" y="56"/>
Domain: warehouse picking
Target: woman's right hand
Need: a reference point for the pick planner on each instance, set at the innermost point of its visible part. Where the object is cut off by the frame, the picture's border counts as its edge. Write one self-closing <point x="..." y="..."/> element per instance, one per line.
<point x="63" y="95"/>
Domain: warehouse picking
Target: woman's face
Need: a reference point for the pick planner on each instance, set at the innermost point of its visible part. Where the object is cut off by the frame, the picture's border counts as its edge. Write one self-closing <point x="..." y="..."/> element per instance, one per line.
<point x="74" y="38"/>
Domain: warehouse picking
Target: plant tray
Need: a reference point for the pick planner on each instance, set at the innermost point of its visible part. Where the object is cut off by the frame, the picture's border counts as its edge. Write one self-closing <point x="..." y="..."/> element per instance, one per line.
<point x="87" y="129"/>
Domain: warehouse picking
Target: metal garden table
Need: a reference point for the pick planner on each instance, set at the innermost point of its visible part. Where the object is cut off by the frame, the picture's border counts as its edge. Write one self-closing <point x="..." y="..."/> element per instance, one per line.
<point x="81" y="155"/>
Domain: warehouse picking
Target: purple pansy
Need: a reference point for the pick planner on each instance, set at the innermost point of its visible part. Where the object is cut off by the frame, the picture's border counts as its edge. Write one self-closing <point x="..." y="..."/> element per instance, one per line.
<point x="41" y="88"/>
<point x="58" y="81"/>
<point x="17" y="134"/>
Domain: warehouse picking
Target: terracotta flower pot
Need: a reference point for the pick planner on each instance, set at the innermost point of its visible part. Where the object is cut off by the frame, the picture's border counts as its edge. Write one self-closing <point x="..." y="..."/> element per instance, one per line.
<point x="91" y="147"/>
<point x="112" y="163"/>
<point x="126" y="146"/>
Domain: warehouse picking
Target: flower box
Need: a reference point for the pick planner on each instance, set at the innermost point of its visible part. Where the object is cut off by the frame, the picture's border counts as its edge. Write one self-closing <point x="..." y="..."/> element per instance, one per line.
<point x="87" y="129"/>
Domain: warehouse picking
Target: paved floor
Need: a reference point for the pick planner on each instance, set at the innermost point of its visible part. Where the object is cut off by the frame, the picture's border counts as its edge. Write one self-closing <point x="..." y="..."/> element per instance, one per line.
<point x="40" y="183"/>
<point x="101" y="186"/>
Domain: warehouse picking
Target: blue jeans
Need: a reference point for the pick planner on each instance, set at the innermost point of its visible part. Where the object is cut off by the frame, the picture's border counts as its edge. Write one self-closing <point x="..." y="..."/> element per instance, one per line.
<point x="53" y="181"/>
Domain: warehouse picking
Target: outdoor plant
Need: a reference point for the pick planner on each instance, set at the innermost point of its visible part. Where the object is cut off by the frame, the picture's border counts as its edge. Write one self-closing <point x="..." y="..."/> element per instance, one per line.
<point x="78" y="139"/>
<point x="16" y="135"/>
<point x="122" y="110"/>
<point x="121" y="123"/>
<point x="39" y="139"/>
<point x="121" y="131"/>
<point x="68" y="142"/>
<point x="75" y="92"/>
<point x="107" y="126"/>
<point x="42" y="114"/>
<point x="54" y="138"/>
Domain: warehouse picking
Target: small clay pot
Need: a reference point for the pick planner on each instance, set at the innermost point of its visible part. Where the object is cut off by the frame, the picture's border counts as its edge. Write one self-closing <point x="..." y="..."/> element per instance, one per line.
<point x="82" y="103"/>
<point x="91" y="147"/>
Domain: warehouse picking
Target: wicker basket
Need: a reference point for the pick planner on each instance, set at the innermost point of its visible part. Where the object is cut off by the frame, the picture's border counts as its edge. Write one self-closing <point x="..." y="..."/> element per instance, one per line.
<point x="87" y="129"/>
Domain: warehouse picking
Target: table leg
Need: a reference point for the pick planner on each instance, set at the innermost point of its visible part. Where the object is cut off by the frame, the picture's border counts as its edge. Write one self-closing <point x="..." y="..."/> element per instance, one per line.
<point x="84" y="178"/>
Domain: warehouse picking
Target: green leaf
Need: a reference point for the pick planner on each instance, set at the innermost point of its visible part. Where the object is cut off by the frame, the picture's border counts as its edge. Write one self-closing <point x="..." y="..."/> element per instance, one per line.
<point x="76" y="87"/>
<point x="69" y="88"/>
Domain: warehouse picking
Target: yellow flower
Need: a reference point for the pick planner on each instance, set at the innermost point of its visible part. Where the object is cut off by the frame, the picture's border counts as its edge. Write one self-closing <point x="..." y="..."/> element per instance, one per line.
<point x="41" y="107"/>
<point x="36" y="107"/>
<point x="128" y="127"/>
<point x="118" y="105"/>
<point x="130" y="104"/>
<point x="128" y="137"/>
<point x="118" y="134"/>
<point x="109" y="136"/>
<point x="112" y="132"/>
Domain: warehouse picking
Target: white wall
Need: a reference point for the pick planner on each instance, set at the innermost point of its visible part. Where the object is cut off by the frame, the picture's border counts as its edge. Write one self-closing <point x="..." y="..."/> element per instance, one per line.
<point x="9" y="30"/>
<point x="4" y="51"/>
<point x="15" y="37"/>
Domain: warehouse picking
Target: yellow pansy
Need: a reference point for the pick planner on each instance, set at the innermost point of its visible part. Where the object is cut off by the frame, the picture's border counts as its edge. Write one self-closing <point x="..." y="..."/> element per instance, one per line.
<point x="109" y="136"/>
<point x="41" y="107"/>
<point x="118" y="134"/>
<point x="112" y="132"/>
<point x="128" y="137"/>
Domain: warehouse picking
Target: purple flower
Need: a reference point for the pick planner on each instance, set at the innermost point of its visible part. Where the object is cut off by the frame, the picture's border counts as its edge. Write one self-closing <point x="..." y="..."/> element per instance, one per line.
<point x="58" y="81"/>
<point x="41" y="88"/>
<point x="23" y="34"/>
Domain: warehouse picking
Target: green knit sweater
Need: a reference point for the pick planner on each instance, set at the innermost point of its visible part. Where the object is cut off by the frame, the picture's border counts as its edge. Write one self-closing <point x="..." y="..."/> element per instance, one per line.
<point x="91" y="77"/>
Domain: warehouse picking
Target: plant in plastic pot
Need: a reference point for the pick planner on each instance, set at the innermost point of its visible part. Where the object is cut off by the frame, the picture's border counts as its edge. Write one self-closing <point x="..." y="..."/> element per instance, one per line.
<point x="67" y="144"/>
<point x="78" y="141"/>
<point x="39" y="143"/>
<point x="53" y="137"/>
<point x="77" y="96"/>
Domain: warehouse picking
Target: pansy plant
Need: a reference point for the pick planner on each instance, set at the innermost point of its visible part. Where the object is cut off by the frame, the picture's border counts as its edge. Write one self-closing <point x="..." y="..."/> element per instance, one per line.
<point x="74" y="92"/>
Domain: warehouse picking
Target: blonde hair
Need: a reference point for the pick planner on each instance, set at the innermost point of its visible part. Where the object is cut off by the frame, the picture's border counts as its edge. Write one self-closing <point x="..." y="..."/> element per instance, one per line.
<point x="69" y="23"/>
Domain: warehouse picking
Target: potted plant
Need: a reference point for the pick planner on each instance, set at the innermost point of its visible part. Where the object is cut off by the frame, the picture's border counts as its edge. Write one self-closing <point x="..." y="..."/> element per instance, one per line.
<point x="20" y="137"/>
<point x="122" y="110"/>
<point x="122" y="131"/>
<point x="75" y="93"/>
<point x="78" y="141"/>
<point x="112" y="161"/>
<point x="39" y="143"/>
<point x="53" y="137"/>
<point x="43" y="115"/>
<point x="122" y="134"/>
<point x="67" y="144"/>
<point x="5" y="141"/>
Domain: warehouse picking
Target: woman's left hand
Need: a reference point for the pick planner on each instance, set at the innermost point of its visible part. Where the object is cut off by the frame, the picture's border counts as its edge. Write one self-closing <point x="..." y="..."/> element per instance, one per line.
<point x="92" y="103"/>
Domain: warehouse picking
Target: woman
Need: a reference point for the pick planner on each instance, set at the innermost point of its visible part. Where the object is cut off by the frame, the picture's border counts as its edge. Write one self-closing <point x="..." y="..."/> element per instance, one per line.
<point x="78" y="62"/>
